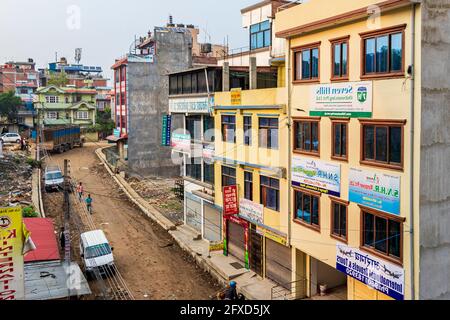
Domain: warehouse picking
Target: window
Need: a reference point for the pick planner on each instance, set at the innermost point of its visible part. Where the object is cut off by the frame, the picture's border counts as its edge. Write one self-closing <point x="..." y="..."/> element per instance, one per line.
<point x="52" y="115"/>
<point x="193" y="126"/>
<point x="307" y="63"/>
<point x="229" y="129"/>
<point x="83" y="115"/>
<point x="382" y="234"/>
<point x="340" y="139"/>
<point x="307" y="209"/>
<point x="270" y="193"/>
<point x="339" y="60"/>
<point x="260" y="35"/>
<point x="248" y="130"/>
<point x="228" y="176"/>
<point x="268" y="133"/>
<point x="208" y="128"/>
<point x="307" y="139"/>
<point x="382" y="143"/>
<point x="383" y="52"/>
<point x="187" y="84"/>
<point x="194" y="168"/>
<point x="339" y="220"/>
<point x="52" y="99"/>
<point x="208" y="172"/>
<point x="248" y="186"/>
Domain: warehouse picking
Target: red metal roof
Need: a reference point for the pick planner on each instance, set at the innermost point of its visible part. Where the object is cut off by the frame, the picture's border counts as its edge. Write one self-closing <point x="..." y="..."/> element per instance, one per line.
<point x="43" y="236"/>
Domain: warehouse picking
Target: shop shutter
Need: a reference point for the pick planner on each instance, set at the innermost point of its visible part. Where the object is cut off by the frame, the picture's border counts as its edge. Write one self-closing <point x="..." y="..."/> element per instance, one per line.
<point x="236" y="241"/>
<point x="193" y="213"/>
<point x="256" y="252"/>
<point x="278" y="263"/>
<point x="212" y="223"/>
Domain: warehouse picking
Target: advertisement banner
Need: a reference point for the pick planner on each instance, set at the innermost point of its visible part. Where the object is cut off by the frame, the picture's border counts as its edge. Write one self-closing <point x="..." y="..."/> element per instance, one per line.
<point x="251" y="211"/>
<point x="12" y="283"/>
<point x="191" y="105"/>
<point x="181" y="142"/>
<point x="382" y="276"/>
<point x="375" y="190"/>
<point x="272" y="235"/>
<point x="349" y="99"/>
<point x="316" y="175"/>
<point x="236" y="97"/>
<point x="166" y="130"/>
<point x="230" y="201"/>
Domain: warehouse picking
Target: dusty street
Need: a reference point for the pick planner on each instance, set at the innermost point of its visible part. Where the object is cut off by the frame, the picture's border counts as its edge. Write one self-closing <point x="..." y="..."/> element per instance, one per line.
<point x="153" y="266"/>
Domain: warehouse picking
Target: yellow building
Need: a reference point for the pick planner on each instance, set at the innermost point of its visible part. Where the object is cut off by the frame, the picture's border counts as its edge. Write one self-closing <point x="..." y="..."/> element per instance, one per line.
<point x="351" y="101"/>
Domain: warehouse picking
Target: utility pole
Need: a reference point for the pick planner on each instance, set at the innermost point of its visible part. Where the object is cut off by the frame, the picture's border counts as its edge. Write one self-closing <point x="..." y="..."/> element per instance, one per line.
<point x="66" y="213"/>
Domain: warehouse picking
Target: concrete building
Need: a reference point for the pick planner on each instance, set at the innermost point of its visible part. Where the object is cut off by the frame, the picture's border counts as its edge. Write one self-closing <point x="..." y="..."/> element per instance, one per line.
<point x="23" y="79"/>
<point x="141" y="93"/>
<point x="65" y="105"/>
<point x="367" y="86"/>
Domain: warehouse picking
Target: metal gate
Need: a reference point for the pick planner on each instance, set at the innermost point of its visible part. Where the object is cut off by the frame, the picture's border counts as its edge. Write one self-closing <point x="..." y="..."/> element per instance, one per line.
<point x="236" y="241"/>
<point x="193" y="212"/>
<point x="212" y="223"/>
<point x="256" y="252"/>
<point x="278" y="263"/>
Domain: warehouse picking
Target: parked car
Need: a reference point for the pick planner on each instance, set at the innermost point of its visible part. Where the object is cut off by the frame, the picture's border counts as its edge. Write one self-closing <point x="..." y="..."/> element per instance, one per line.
<point x="11" y="138"/>
<point x="96" y="253"/>
<point x="53" y="179"/>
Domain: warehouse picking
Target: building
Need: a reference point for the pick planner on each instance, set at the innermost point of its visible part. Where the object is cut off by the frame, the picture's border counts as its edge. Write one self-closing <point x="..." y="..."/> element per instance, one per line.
<point x="23" y="79"/>
<point x="66" y="105"/>
<point x="368" y="198"/>
<point x="141" y="94"/>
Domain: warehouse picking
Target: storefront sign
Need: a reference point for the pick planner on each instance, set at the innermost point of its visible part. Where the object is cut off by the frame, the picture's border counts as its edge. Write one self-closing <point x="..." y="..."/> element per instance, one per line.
<point x="236" y="97"/>
<point x="181" y="142"/>
<point x="349" y="99"/>
<point x="251" y="211"/>
<point x="272" y="235"/>
<point x="375" y="190"/>
<point x="12" y="285"/>
<point x="316" y="175"/>
<point x="230" y="201"/>
<point x="213" y="246"/>
<point x="166" y="130"/>
<point x="117" y="133"/>
<point x="150" y="58"/>
<point x="191" y="105"/>
<point x="382" y="276"/>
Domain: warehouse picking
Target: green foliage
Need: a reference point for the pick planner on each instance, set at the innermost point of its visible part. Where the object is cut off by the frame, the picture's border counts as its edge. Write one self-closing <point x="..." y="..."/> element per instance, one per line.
<point x="9" y="105"/>
<point x="34" y="163"/>
<point x="104" y="123"/>
<point x="29" y="212"/>
<point x="58" y="79"/>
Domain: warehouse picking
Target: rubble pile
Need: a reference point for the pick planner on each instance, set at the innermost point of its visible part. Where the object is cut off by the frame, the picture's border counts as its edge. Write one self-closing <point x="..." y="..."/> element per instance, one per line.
<point x="15" y="180"/>
<point x="160" y="194"/>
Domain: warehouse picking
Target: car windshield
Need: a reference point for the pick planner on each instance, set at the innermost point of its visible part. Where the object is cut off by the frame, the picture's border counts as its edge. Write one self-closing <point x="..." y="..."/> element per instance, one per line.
<point x="98" y="251"/>
<point x="53" y="175"/>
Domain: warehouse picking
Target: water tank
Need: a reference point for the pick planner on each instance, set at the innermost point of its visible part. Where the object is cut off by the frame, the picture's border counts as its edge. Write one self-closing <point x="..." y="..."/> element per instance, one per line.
<point x="206" y="48"/>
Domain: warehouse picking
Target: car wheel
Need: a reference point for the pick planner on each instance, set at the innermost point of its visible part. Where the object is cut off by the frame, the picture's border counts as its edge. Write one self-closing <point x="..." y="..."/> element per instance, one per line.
<point x="17" y="141"/>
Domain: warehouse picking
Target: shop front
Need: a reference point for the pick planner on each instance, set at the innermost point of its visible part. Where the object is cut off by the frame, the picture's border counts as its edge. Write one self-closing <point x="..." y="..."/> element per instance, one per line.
<point x="236" y="235"/>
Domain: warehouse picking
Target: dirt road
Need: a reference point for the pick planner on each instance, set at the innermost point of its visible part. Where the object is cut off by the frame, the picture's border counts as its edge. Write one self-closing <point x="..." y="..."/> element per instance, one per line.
<point x="153" y="266"/>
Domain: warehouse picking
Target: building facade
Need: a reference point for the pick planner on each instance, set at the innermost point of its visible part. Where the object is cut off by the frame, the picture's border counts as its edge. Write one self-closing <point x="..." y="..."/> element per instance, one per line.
<point x="63" y="105"/>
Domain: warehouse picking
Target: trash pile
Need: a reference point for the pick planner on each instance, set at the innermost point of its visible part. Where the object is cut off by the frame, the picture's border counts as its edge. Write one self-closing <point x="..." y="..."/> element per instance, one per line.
<point x="15" y="180"/>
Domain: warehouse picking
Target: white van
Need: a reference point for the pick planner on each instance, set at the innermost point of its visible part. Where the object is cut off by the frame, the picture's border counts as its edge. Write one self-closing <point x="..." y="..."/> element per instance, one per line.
<point x="96" y="253"/>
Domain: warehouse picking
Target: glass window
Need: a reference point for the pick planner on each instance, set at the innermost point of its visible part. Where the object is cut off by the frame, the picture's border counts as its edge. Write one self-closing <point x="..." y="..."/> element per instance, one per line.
<point x="260" y="35"/>
<point x="247" y="130"/>
<point x="194" y="168"/>
<point x="307" y="64"/>
<point x="370" y="55"/>
<point x="228" y="176"/>
<point x="229" y="129"/>
<point x="382" y="54"/>
<point x="193" y="126"/>
<point x="270" y="193"/>
<point x="248" y="186"/>
<point x="208" y="172"/>
<point x="383" y="144"/>
<point x="396" y="51"/>
<point x="339" y="220"/>
<point x="201" y="80"/>
<point x="194" y="83"/>
<point x="96" y="251"/>
<point x="307" y="136"/>
<point x="340" y="57"/>
<point x="369" y="145"/>
<point x="268" y="133"/>
<point x="307" y="208"/>
<point x="208" y="128"/>
<point x="340" y="140"/>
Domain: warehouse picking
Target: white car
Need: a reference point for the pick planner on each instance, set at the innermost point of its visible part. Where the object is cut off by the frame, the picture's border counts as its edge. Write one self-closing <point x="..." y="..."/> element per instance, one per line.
<point x="96" y="253"/>
<point x="11" y="138"/>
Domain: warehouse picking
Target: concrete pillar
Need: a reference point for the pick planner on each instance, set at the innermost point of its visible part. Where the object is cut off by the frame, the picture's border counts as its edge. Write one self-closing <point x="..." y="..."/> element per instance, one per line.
<point x="226" y="77"/>
<point x="253" y="74"/>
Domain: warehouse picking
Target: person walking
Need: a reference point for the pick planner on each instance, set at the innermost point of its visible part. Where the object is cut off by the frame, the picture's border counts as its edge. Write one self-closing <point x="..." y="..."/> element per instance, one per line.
<point x="62" y="238"/>
<point x="89" y="204"/>
<point x="80" y="191"/>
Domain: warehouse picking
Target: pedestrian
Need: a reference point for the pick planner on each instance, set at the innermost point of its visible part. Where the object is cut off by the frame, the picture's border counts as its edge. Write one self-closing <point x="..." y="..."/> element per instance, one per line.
<point x="89" y="204"/>
<point x="22" y="143"/>
<point x="80" y="191"/>
<point x="62" y="238"/>
<point x="231" y="293"/>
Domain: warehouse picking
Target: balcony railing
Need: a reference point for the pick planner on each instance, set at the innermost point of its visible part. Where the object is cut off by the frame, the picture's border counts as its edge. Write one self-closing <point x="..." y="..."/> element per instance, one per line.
<point x="290" y="291"/>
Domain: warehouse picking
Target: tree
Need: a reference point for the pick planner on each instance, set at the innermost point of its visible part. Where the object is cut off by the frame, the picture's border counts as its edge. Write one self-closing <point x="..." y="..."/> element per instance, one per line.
<point x="104" y="124"/>
<point x="9" y="105"/>
<point x="58" y="79"/>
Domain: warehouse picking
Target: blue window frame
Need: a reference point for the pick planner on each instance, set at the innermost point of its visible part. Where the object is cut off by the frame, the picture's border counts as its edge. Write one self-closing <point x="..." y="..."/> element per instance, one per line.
<point x="260" y="35"/>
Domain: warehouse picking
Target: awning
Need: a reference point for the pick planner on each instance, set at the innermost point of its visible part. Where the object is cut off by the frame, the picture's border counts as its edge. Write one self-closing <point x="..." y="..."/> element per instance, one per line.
<point x="115" y="139"/>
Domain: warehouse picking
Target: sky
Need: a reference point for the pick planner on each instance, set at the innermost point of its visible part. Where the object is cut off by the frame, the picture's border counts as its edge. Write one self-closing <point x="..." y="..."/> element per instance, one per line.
<point x="105" y="29"/>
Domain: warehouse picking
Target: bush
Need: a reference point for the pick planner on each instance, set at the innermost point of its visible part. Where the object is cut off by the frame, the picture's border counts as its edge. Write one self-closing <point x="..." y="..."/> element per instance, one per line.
<point x="34" y="163"/>
<point x="29" y="212"/>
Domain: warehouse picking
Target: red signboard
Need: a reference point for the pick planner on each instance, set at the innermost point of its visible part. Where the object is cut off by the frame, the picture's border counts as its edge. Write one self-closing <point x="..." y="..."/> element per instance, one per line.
<point x="230" y="201"/>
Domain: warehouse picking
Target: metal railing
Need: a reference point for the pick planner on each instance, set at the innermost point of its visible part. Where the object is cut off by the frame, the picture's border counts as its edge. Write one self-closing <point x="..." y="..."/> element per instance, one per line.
<point x="295" y="290"/>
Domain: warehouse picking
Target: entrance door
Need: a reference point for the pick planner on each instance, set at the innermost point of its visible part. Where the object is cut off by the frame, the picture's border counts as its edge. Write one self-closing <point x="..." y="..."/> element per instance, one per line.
<point x="236" y="241"/>
<point x="256" y="252"/>
<point x="278" y="263"/>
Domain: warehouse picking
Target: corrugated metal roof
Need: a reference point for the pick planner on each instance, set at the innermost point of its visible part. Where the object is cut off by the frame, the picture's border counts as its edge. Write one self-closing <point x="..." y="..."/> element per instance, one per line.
<point x="43" y="235"/>
<point x="53" y="280"/>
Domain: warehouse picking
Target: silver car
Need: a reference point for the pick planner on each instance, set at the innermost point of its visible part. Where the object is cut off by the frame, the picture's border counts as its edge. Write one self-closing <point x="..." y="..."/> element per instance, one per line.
<point x="11" y="138"/>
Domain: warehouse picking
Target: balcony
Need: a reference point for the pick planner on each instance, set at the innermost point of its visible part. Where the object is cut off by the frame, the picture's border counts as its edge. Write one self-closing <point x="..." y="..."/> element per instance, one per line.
<point x="273" y="98"/>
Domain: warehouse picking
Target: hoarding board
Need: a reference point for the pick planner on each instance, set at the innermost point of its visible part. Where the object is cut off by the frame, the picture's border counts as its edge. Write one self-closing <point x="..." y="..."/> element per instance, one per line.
<point x="251" y="211"/>
<point x="230" y="201"/>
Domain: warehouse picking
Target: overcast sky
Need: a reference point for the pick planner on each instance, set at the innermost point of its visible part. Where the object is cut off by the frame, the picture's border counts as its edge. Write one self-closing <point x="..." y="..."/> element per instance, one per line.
<point x="106" y="28"/>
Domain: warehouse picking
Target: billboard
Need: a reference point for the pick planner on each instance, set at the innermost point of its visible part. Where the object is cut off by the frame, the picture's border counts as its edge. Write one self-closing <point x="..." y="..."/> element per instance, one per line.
<point x="230" y="201"/>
